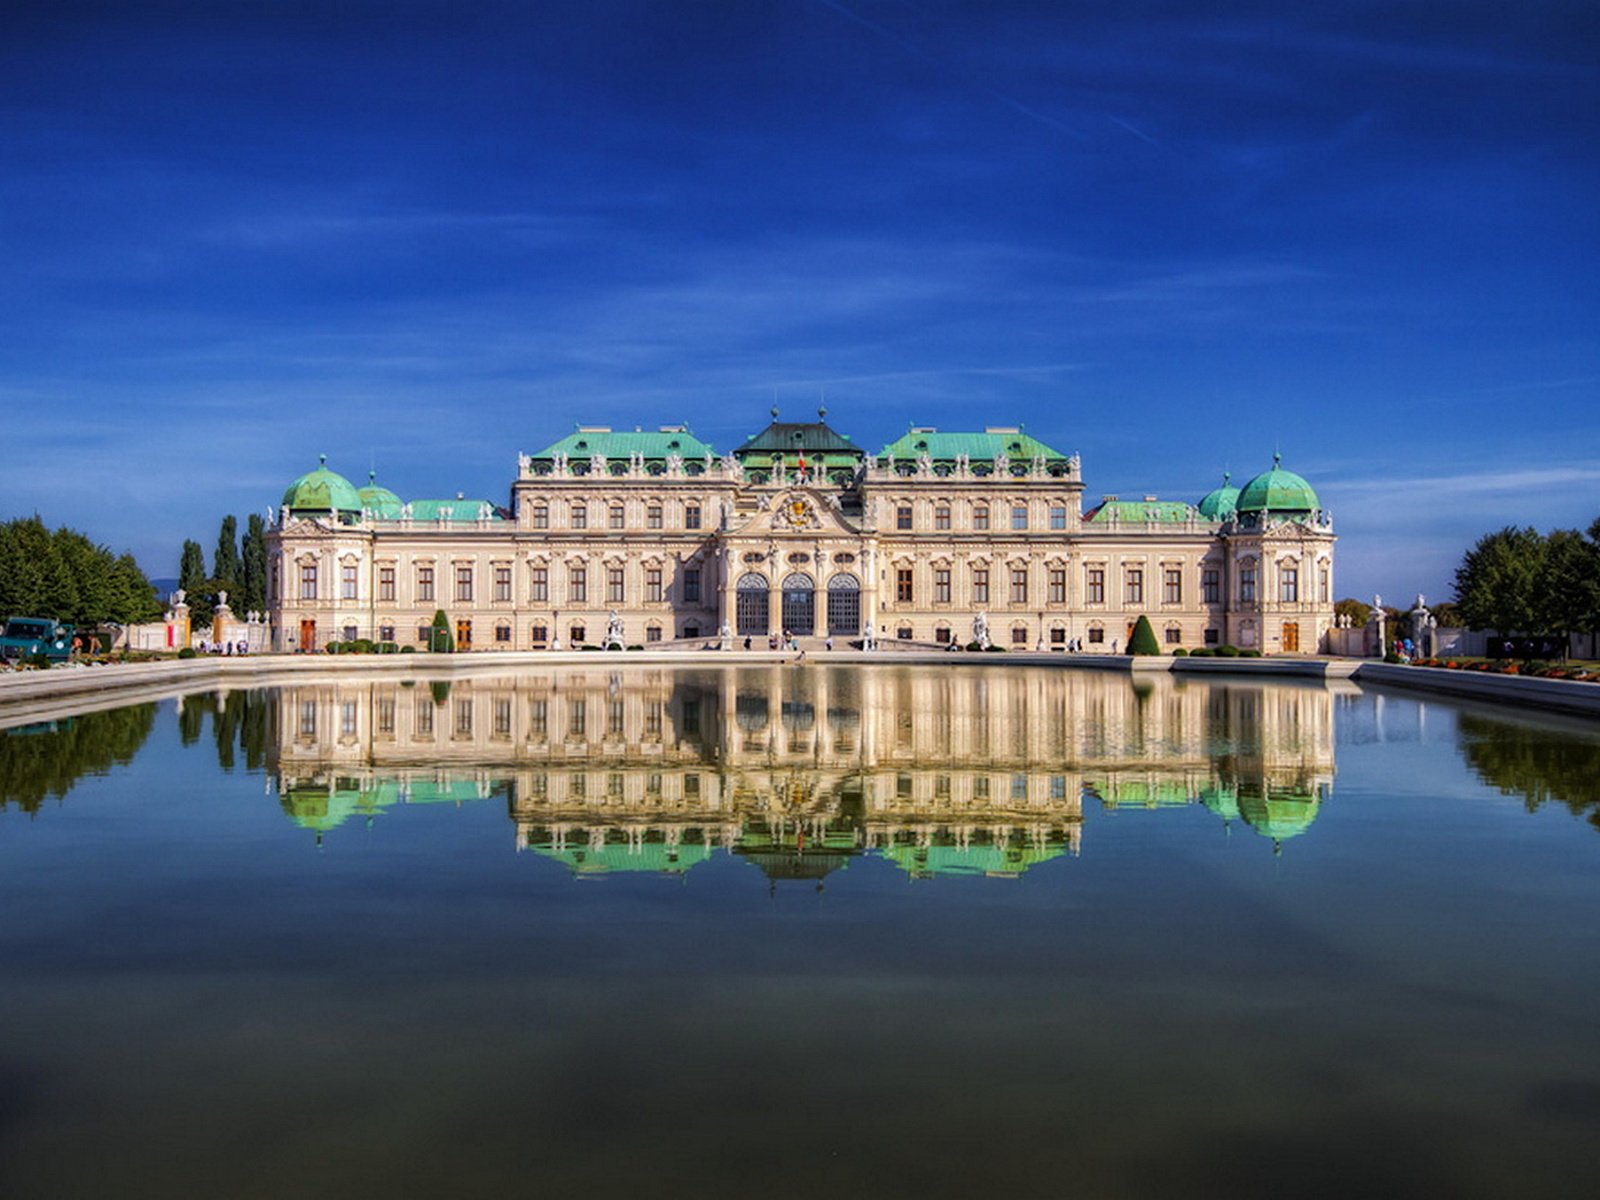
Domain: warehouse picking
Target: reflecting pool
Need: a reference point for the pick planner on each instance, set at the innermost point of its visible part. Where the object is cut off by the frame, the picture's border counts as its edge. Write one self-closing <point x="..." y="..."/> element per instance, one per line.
<point x="789" y="930"/>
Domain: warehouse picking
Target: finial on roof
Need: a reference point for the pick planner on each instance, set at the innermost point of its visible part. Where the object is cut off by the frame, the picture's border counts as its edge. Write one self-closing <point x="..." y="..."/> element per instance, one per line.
<point x="322" y="460"/>
<point x="774" y="412"/>
<point x="822" y="412"/>
<point x="1277" y="457"/>
<point x="372" y="476"/>
<point x="1226" y="477"/>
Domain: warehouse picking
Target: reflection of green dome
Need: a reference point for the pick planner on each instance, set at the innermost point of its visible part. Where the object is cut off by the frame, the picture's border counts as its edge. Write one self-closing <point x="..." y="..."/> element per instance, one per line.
<point x="1279" y="491"/>
<point x="322" y="490"/>
<point x="616" y="856"/>
<point x="1279" y="813"/>
<point x="1222" y="801"/>
<point x="1220" y="503"/>
<point x="380" y="500"/>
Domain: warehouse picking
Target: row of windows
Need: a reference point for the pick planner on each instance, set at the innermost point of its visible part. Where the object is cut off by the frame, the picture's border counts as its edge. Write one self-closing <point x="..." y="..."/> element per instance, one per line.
<point x="539" y="584"/>
<point x="904" y="517"/>
<point x="614" y="514"/>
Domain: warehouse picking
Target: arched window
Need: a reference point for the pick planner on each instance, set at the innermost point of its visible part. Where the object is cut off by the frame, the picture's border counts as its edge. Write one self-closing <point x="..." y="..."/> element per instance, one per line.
<point x="799" y="604"/>
<point x="751" y="605"/>
<point x="844" y="604"/>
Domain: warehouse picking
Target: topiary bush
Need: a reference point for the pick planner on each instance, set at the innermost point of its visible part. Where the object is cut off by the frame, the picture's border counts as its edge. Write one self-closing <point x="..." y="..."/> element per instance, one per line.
<point x="1180" y="652"/>
<point x="440" y="640"/>
<point x="1249" y="654"/>
<point x="408" y="649"/>
<point x="187" y="652"/>
<point x="1203" y="652"/>
<point x="1143" y="640"/>
<point x="1227" y="651"/>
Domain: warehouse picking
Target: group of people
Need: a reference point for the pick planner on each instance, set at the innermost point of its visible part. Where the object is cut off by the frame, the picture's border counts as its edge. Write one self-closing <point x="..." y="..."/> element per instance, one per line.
<point x="206" y="646"/>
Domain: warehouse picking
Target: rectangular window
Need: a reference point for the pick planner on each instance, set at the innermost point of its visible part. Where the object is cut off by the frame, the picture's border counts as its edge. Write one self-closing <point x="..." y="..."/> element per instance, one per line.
<point x="1135" y="586"/>
<point x="902" y="585"/>
<point x="463" y="584"/>
<point x="463" y="634"/>
<point x="652" y="585"/>
<point x="942" y="635"/>
<point x="980" y="517"/>
<point x="425" y="716"/>
<point x="502" y="633"/>
<point x="691" y="585"/>
<point x="941" y="517"/>
<point x="1019" y="636"/>
<point x="1247" y="585"/>
<point x="1019" y="585"/>
<point x="652" y="516"/>
<point x="941" y="585"/>
<point x="502" y="583"/>
<point x="347" y="582"/>
<point x="463" y="718"/>
<point x="1058" y="516"/>
<point x="386" y="716"/>
<point x="541" y="517"/>
<point x="1174" y="635"/>
<point x="980" y="585"/>
<point x="652" y="633"/>
<point x="539" y="589"/>
<point x="1019" y="516"/>
<point x="1097" y="635"/>
<point x="1289" y="585"/>
<point x="1172" y="586"/>
<point x="1058" y="637"/>
<point x="580" y="515"/>
<point x="1210" y="585"/>
<point x="502" y="718"/>
<point x="1324" y="586"/>
<point x="614" y="585"/>
<point x="617" y="517"/>
<point x="539" y="635"/>
<point x="1094" y="587"/>
<point x="578" y="585"/>
<point x="691" y="516"/>
<point x="577" y="635"/>
<point x="308" y="581"/>
<point x="1212" y="637"/>
<point x="1058" y="585"/>
<point x="425" y="583"/>
<point x="423" y="633"/>
<point x="386" y="583"/>
<point x="902" y="517"/>
<point x="349" y="633"/>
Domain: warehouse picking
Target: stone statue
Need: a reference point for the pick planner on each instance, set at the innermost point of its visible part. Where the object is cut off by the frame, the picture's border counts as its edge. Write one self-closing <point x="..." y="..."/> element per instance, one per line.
<point x="558" y="465"/>
<point x="524" y="464"/>
<point x="980" y="629"/>
<point x="725" y="637"/>
<point x="178" y="597"/>
<point x="222" y="599"/>
<point x="924" y="463"/>
<point x="485" y="511"/>
<point x="674" y="463"/>
<point x="597" y="464"/>
<point x="405" y="511"/>
<point x="614" y="634"/>
<point x="1002" y="463"/>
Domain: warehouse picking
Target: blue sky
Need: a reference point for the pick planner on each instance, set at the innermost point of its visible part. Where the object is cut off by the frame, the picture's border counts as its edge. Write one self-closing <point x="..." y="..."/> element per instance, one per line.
<point x="1172" y="237"/>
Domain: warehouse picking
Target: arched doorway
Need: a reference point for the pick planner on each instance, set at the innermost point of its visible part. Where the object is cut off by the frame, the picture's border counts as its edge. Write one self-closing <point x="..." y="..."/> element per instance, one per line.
<point x="750" y="606"/>
<point x="844" y="605"/>
<point x="799" y="605"/>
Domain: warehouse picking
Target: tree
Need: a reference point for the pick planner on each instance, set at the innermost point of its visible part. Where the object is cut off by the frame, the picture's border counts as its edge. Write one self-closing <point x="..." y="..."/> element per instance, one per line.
<point x="439" y="637"/>
<point x="1358" y="612"/>
<point x="192" y="579"/>
<point x="225" y="566"/>
<point x="1143" y="640"/>
<point x="1568" y="568"/>
<point x="1497" y="583"/>
<point x="253" y="566"/>
<point x="35" y="580"/>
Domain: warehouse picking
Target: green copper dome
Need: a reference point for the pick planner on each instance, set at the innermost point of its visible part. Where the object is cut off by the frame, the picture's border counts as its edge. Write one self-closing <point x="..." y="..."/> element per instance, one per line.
<point x="1220" y="503"/>
<point x="379" y="500"/>
<point x="322" y="490"/>
<point x="1278" y="490"/>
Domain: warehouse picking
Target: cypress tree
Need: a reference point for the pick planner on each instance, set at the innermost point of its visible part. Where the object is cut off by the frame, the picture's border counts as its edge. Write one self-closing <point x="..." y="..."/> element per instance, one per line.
<point x="192" y="579"/>
<point x="440" y="639"/>
<point x="253" y="566"/>
<point x="1143" y="640"/>
<point x="225" y="568"/>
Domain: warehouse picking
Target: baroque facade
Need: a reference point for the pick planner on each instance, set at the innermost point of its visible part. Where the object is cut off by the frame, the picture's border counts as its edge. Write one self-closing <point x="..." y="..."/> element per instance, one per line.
<point x="942" y="538"/>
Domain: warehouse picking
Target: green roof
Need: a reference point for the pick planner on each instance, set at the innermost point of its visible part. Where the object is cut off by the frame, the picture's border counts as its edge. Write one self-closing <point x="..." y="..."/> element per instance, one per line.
<point x="1007" y="860"/>
<point x="943" y="447"/>
<point x="1279" y="813"/>
<point x="379" y="500"/>
<point x="616" y="856"/>
<point x="322" y="490"/>
<point x="461" y="509"/>
<point x="587" y="442"/>
<point x="1219" y="503"/>
<point x="1278" y="490"/>
<point x="1140" y="512"/>
<point x="793" y="438"/>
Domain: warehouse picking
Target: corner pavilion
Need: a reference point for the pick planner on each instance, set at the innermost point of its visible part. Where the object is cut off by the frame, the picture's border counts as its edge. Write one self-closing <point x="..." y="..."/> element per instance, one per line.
<point x="940" y="537"/>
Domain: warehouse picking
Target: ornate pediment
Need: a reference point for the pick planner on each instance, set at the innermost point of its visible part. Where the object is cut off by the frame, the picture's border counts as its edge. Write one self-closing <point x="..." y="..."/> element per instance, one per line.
<point x="797" y="511"/>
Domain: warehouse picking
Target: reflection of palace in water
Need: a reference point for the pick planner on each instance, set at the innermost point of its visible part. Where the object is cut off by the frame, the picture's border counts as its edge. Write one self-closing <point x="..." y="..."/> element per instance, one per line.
<point x="943" y="771"/>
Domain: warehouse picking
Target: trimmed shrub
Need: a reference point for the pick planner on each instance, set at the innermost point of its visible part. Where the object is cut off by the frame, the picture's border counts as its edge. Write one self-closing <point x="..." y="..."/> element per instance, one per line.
<point x="187" y="652"/>
<point x="1227" y="651"/>
<point x="993" y="649"/>
<point x="1249" y="654"/>
<point x="1143" y="640"/>
<point x="613" y="646"/>
<point x="440" y="639"/>
<point x="974" y="645"/>
<point x="1180" y="652"/>
<point x="408" y="649"/>
<point x="1203" y="652"/>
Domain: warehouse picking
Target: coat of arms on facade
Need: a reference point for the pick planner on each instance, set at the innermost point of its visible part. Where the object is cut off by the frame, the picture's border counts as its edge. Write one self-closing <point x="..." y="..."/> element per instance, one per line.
<point x="795" y="512"/>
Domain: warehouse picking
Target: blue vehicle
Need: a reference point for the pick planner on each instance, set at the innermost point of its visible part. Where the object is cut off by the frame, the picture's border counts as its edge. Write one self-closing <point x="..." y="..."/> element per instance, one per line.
<point x="30" y="637"/>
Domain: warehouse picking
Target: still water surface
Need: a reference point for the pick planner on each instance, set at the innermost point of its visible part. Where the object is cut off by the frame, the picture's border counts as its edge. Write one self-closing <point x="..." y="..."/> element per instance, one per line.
<point x="791" y="931"/>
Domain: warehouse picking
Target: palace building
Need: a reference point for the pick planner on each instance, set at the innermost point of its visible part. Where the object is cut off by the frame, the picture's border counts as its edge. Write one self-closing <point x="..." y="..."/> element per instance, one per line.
<point x="654" y="537"/>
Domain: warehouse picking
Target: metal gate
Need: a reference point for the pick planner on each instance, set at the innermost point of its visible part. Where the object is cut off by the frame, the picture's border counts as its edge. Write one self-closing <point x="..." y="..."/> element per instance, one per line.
<point x="750" y="606"/>
<point x="799" y="605"/>
<point x="844" y="605"/>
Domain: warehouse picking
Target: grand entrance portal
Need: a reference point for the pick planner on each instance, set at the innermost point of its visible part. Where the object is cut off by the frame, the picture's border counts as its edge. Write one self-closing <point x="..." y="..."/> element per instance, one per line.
<point x="844" y="605"/>
<point x="799" y="605"/>
<point x="308" y="635"/>
<point x="751" y="609"/>
<point x="1291" y="637"/>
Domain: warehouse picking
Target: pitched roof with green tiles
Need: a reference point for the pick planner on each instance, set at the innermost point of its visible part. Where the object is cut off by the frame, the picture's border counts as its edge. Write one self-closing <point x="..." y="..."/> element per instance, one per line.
<point x="1014" y="443"/>
<point x="1142" y="512"/>
<point x="462" y="508"/>
<point x="794" y="438"/>
<point x="589" y="440"/>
